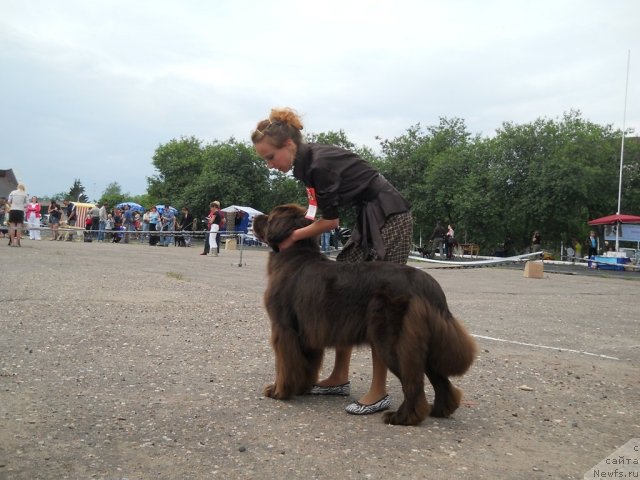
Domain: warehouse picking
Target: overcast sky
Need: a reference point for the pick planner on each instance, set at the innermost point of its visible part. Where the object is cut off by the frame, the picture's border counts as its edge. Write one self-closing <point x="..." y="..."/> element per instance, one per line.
<point x="90" y="88"/>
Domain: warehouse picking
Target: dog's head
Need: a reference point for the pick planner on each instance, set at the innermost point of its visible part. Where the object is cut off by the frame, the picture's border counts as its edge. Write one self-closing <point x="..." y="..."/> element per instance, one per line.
<point x="274" y="228"/>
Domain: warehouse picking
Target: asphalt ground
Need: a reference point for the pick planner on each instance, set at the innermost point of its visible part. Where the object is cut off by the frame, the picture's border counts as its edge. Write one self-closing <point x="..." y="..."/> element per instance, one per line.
<point x="139" y="362"/>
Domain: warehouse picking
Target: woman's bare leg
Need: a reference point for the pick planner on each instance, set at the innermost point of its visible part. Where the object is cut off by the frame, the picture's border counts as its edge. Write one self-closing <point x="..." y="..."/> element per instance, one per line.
<point x="340" y="373"/>
<point x="378" y="388"/>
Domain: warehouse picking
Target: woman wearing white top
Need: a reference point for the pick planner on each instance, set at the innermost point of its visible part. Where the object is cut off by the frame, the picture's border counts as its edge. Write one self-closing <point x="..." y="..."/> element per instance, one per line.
<point x="214" y="219"/>
<point x="17" y="205"/>
<point x="450" y="241"/>
<point x="33" y="218"/>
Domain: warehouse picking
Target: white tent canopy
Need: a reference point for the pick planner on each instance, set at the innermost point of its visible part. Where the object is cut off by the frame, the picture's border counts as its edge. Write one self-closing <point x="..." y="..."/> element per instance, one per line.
<point x="248" y="210"/>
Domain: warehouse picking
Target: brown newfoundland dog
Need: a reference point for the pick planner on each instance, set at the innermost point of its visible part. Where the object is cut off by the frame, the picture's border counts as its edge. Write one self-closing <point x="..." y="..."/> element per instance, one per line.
<point x="314" y="303"/>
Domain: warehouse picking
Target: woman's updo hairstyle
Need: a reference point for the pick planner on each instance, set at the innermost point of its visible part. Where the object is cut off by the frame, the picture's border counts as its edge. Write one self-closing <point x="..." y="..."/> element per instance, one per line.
<point x="283" y="124"/>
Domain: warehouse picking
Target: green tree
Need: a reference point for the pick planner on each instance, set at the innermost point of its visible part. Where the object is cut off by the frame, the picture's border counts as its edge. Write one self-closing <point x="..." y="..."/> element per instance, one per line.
<point x="232" y="174"/>
<point x="58" y="197"/>
<point x="113" y="195"/>
<point x="339" y="139"/>
<point x="283" y="189"/>
<point x="179" y="164"/>
<point x="76" y="193"/>
<point x="630" y="201"/>
<point x="429" y="167"/>
<point x="547" y="175"/>
<point x="401" y="162"/>
<point x="143" y="200"/>
<point x="193" y="175"/>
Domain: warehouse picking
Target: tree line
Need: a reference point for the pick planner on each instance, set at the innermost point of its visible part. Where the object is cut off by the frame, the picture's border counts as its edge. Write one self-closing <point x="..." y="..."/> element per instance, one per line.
<point x="549" y="175"/>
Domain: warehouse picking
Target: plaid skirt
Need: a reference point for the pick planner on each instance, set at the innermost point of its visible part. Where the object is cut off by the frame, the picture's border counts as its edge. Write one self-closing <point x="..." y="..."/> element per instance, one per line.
<point x="397" y="235"/>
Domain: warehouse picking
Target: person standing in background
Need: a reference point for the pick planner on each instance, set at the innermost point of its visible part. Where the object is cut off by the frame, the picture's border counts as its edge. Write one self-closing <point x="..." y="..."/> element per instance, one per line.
<point x="102" y="222"/>
<point x="145" y="226"/>
<point x="154" y="226"/>
<point x="3" y="213"/>
<point x="592" y="243"/>
<point x="17" y="206"/>
<point x="214" y="228"/>
<point x="54" y="219"/>
<point x="325" y="240"/>
<point x="536" y="242"/>
<point x="450" y="241"/>
<point x="108" y="226"/>
<point x="577" y="246"/>
<point x="94" y="213"/>
<point x="186" y="225"/>
<point x="33" y="218"/>
<point x="127" y="221"/>
<point x="221" y="224"/>
<point x="437" y="238"/>
<point x="168" y="225"/>
<point x="207" y="237"/>
<point x="70" y="211"/>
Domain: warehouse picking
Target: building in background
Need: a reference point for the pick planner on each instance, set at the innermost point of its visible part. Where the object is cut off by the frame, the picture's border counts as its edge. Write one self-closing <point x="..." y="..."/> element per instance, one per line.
<point x="8" y="182"/>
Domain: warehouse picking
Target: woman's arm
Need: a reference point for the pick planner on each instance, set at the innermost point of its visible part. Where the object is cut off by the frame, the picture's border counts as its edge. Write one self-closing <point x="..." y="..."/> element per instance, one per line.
<point x="316" y="228"/>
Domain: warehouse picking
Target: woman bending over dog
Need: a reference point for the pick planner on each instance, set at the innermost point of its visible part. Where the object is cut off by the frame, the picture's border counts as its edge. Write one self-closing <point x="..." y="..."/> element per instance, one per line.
<point x="337" y="178"/>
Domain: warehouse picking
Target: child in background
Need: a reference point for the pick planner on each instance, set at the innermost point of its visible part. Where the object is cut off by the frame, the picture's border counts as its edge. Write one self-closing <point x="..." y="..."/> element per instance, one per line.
<point x="109" y="226"/>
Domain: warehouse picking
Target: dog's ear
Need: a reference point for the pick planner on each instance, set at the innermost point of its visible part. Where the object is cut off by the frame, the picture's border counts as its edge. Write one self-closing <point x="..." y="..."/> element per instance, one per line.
<point x="283" y="220"/>
<point x="260" y="224"/>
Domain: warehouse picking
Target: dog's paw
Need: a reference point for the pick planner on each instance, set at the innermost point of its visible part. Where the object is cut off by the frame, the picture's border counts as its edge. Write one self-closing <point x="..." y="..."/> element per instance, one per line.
<point x="450" y="405"/>
<point x="278" y="393"/>
<point x="391" y="418"/>
<point x="397" y="418"/>
<point x="270" y="391"/>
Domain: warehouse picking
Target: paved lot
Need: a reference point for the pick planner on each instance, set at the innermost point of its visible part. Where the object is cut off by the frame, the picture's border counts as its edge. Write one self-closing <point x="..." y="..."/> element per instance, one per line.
<point x="130" y="361"/>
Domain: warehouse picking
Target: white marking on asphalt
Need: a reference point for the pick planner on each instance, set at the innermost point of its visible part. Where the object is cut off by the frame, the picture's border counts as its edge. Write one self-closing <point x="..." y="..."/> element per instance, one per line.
<point x="569" y="350"/>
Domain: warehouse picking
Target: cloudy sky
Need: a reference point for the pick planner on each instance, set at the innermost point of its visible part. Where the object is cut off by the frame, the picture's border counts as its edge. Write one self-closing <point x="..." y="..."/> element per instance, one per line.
<point x="90" y="88"/>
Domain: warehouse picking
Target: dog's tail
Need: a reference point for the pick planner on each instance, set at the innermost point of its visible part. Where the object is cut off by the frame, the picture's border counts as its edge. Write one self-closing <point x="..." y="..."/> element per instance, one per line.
<point x="452" y="349"/>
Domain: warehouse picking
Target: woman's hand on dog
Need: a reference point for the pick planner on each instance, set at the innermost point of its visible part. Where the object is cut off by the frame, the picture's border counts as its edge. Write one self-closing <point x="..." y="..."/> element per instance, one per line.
<point x="287" y="242"/>
<point x="316" y="228"/>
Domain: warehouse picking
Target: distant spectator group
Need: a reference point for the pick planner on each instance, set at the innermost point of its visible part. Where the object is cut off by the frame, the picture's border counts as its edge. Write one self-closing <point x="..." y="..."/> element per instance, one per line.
<point x="123" y="224"/>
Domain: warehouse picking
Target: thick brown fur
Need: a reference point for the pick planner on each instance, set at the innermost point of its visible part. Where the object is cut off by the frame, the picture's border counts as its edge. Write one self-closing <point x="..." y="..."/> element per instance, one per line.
<point x="314" y="303"/>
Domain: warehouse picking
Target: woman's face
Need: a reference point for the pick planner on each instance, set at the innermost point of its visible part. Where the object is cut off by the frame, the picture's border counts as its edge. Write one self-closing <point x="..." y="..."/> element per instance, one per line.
<point x="34" y="200"/>
<point x="280" y="159"/>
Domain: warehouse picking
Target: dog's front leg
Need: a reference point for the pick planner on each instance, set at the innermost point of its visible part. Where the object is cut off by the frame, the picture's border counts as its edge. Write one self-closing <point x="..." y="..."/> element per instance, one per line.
<point x="297" y="364"/>
<point x="282" y="388"/>
<point x="286" y="346"/>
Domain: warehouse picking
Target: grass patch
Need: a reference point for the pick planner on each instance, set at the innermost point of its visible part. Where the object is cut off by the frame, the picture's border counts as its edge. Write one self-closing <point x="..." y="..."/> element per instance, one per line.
<point x="176" y="275"/>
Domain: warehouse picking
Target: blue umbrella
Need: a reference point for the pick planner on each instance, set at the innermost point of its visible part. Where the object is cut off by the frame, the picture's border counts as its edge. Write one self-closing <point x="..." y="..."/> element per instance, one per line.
<point x="132" y="206"/>
<point x="161" y="209"/>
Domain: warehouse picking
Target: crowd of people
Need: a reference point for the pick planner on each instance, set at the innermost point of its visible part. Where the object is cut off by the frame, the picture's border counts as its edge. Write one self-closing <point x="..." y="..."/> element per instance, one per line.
<point x="162" y="226"/>
<point x="123" y="223"/>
